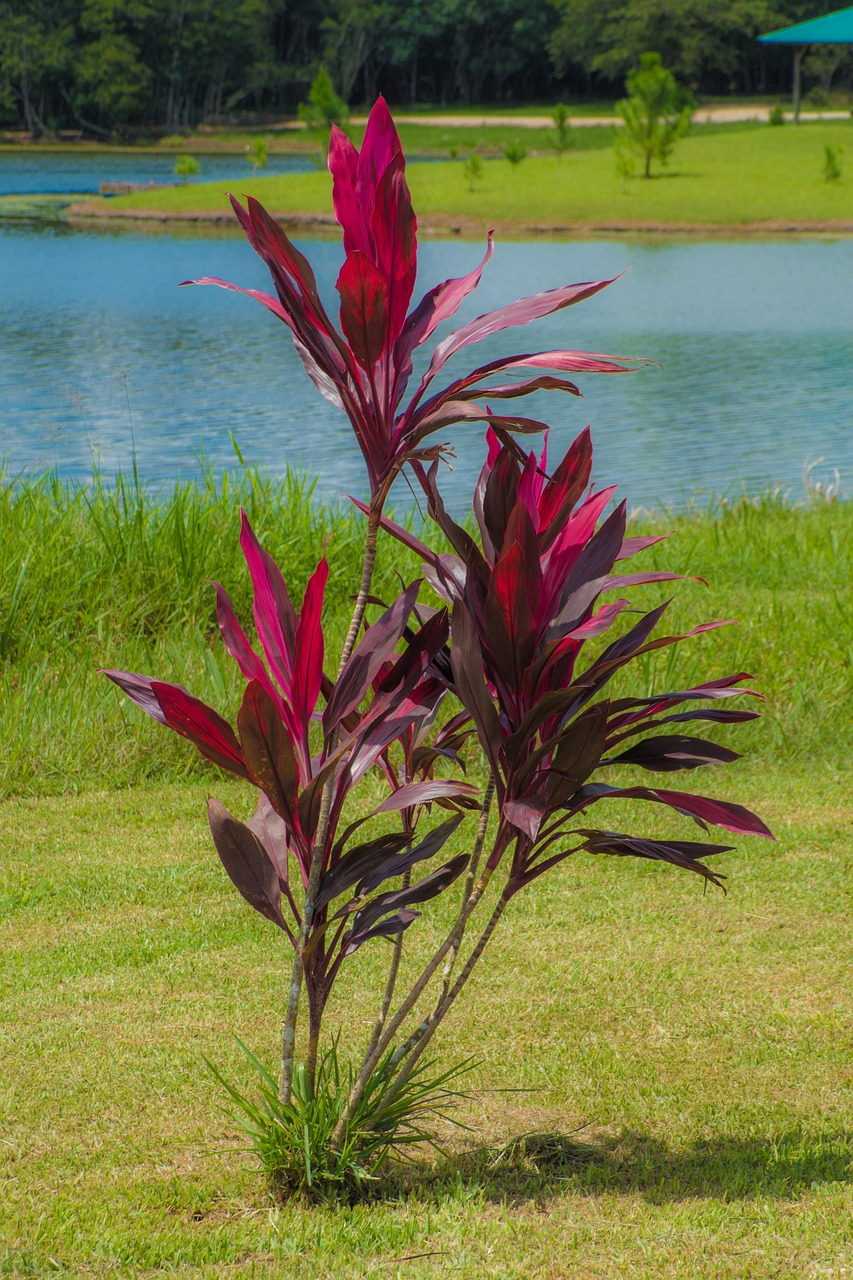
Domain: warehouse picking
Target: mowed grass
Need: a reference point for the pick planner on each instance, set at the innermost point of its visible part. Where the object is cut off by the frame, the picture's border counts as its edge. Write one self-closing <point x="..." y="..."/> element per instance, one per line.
<point x="723" y="176"/>
<point x="680" y="1062"/>
<point x="663" y="1084"/>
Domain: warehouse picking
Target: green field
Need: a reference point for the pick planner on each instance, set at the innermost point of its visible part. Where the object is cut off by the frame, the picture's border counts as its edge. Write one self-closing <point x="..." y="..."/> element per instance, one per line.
<point x="728" y="177"/>
<point x="681" y="1061"/>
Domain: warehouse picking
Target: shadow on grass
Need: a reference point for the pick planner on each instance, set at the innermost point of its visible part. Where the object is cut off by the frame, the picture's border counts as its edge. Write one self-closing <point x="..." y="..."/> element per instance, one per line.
<point x="537" y="1166"/>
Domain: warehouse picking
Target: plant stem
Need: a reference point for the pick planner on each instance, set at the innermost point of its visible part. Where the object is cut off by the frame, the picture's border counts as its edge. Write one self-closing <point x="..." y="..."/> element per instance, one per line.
<point x="373" y="521"/>
<point x="315" y="873"/>
<point x="423" y="1037"/>
<point x="479" y="841"/>
<point x="373" y="1056"/>
<point x="392" y="978"/>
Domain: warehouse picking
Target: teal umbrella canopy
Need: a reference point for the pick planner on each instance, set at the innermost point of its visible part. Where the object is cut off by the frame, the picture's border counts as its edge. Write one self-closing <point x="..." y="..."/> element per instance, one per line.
<point x="832" y="28"/>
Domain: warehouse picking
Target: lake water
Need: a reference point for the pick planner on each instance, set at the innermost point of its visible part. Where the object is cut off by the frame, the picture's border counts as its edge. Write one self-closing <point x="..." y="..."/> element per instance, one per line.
<point x="34" y="172"/>
<point x="99" y="349"/>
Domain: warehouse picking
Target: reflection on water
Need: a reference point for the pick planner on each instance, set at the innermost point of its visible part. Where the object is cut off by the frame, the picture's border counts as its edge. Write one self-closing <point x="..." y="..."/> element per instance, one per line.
<point x="98" y="348"/>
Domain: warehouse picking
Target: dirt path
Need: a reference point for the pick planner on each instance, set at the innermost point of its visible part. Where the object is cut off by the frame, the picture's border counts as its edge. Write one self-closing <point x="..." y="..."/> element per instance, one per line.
<point x="705" y="115"/>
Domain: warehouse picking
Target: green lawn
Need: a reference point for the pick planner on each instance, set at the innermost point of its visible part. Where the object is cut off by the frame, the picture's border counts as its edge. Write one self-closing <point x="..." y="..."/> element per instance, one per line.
<point x="683" y="1061"/>
<point x="726" y="176"/>
<point x="686" y="1056"/>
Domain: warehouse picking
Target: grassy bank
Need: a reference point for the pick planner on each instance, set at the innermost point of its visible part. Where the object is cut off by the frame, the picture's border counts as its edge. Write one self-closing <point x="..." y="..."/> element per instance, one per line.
<point x="684" y="1059"/>
<point x="118" y="576"/>
<point x="727" y="177"/>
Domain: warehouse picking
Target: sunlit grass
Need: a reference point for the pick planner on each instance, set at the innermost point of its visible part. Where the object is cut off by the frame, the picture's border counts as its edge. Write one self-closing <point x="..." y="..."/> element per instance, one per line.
<point x="118" y="575"/>
<point x="683" y="1060"/>
<point x="723" y="176"/>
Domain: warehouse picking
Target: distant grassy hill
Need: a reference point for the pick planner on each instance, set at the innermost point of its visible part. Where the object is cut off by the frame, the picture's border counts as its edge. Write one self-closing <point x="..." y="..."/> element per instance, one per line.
<point x="719" y="177"/>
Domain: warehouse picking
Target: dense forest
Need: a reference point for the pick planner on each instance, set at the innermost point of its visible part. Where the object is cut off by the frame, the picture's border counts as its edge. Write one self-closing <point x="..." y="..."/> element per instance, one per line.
<point x="103" y="66"/>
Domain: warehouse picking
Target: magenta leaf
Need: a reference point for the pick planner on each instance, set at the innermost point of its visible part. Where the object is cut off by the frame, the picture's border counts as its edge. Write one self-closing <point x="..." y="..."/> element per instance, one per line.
<point x="309" y="649"/>
<point x="369" y="656"/>
<point x="203" y="726"/>
<point x="364" y="308"/>
<point x="275" y="616"/>
<point x="511" y="316"/>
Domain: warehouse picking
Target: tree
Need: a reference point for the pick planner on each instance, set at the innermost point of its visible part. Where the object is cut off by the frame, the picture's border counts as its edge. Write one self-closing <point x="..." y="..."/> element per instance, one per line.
<point x="186" y="167"/>
<point x="655" y="114"/>
<point x="324" y="106"/>
<point x="112" y="81"/>
<point x="709" y="46"/>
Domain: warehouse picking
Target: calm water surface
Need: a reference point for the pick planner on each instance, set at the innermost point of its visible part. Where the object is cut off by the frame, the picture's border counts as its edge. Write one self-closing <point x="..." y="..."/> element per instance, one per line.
<point x="99" y="348"/>
<point x="43" y="173"/>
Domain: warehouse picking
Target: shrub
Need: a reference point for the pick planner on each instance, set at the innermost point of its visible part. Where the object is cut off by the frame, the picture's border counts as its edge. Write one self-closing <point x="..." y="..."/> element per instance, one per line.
<point x="497" y="660"/>
<point x="514" y="152"/>
<point x="561" y="138"/>
<point x="832" y="164"/>
<point x="656" y="113"/>
<point x="324" y="107"/>
<point x="473" y="169"/>
<point x="186" y="167"/>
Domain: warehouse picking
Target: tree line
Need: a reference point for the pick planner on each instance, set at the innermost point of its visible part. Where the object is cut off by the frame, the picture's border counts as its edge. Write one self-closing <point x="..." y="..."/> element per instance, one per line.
<point x="120" y="65"/>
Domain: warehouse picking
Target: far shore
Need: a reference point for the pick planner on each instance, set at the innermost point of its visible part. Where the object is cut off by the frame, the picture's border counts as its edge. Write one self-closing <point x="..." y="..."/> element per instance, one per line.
<point x="83" y="212"/>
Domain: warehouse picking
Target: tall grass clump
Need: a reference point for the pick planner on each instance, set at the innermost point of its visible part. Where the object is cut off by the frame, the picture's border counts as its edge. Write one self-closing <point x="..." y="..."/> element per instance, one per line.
<point x="93" y="573"/>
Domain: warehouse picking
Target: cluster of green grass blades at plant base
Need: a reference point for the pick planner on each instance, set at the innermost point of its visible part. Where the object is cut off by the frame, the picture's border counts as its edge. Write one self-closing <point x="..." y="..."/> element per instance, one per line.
<point x="292" y="1140"/>
<point x="122" y="577"/>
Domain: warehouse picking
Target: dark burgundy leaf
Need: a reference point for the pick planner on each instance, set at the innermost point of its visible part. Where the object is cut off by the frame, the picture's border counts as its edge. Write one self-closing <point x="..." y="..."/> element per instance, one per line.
<point x="374" y="648"/>
<point x="500" y="497"/>
<point x="430" y="887"/>
<point x="397" y="865"/>
<point x="356" y="863"/>
<point x="271" y="830"/>
<point x="268" y="752"/>
<point x="412" y="793"/>
<point x="466" y="659"/>
<point x="387" y="929"/>
<point x="720" y="813"/>
<point x="246" y="861"/>
<point x="670" y="752"/>
<point x="678" y="853"/>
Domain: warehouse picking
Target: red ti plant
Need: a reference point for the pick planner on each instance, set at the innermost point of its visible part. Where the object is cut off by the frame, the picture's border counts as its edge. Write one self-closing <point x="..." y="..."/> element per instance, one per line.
<point x="365" y="367"/>
<point x="526" y="601"/>
<point x="507" y="650"/>
<point x="273" y="750"/>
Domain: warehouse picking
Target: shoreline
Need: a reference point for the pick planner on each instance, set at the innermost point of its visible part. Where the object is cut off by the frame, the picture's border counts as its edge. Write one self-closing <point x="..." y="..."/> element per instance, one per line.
<point x="86" y="212"/>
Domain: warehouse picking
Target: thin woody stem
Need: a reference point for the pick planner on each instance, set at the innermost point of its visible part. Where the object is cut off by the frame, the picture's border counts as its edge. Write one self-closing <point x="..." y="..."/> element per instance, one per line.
<point x="473" y="865"/>
<point x="422" y="1037"/>
<point x="372" y="1058"/>
<point x="291" y="1013"/>
<point x="392" y="979"/>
